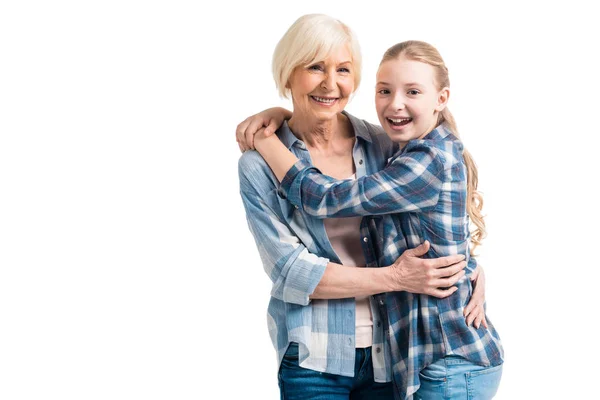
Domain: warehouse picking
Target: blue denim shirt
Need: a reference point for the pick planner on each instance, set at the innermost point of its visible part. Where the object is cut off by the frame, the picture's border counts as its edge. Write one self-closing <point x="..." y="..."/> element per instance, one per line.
<point x="295" y="250"/>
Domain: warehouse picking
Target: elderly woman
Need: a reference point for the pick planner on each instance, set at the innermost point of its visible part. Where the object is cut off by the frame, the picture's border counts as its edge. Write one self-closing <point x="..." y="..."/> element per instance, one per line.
<point x="327" y="313"/>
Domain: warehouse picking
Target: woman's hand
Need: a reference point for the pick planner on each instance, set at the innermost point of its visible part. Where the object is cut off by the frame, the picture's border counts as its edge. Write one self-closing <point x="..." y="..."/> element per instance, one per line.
<point x="433" y="276"/>
<point x="474" y="311"/>
<point x="270" y="119"/>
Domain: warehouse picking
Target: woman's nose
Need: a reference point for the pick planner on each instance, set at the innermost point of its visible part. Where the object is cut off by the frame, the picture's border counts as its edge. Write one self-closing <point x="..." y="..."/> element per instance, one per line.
<point x="328" y="82"/>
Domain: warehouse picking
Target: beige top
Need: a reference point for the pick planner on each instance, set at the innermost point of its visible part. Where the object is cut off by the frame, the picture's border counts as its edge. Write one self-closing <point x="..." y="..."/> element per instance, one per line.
<point x="344" y="235"/>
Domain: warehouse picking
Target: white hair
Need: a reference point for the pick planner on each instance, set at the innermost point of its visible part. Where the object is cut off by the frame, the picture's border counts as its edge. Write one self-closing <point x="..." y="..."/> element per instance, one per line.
<point x="310" y="40"/>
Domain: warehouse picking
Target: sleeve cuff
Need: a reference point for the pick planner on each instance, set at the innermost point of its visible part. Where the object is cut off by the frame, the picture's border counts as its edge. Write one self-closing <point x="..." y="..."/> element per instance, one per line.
<point x="291" y="184"/>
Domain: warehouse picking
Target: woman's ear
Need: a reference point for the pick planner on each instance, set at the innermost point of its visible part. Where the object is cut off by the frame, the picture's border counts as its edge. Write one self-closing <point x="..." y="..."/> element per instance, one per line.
<point x="442" y="101"/>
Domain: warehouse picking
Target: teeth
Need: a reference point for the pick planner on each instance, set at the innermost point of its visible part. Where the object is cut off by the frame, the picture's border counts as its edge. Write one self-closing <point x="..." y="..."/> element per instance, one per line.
<point x="398" y="121"/>
<point x="323" y="100"/>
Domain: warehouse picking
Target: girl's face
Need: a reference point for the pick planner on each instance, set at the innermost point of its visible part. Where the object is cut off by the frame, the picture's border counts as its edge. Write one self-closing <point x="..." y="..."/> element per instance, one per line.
<point x="321" y="90"/>
<point x="407" y="99"/>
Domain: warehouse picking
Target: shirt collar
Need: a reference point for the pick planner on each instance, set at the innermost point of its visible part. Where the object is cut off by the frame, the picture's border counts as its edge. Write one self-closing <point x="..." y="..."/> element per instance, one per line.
<point x="361" y="130"/>
<point x="440" y="132"/>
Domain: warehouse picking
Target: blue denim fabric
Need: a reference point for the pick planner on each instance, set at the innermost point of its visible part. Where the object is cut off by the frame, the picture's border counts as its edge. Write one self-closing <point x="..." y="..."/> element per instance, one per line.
<point x="455" y="378"/>
<point x="297" y="383"/>
<point x="295" y="249"/>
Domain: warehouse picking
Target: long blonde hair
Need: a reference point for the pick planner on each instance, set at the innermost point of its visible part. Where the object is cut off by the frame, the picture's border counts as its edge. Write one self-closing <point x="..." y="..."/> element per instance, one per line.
<point x="424" y="52"/>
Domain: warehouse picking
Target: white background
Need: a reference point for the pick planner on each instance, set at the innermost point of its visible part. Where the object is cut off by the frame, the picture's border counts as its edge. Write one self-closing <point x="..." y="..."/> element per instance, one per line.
<point x="127" y="270"/>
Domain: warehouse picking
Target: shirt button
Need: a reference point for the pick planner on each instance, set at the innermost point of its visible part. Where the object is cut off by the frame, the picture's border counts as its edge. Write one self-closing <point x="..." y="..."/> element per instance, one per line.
<point x="365" y="240"/>
<point x="296" y="207"/>
<point x="378" y="349"/>
<point x="378" y="324"/>
<point x="380" y="302"/>
<point x="360" y="161"/>
<point x="349" y="313"/>
<point x="349" y="341"/>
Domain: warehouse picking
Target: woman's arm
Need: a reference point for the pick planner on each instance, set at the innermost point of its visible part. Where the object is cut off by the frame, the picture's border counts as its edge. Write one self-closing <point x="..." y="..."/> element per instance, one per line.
<point x="299" y="275"/>
<point x="410" y="273"/>
<point x="270" y="119"/>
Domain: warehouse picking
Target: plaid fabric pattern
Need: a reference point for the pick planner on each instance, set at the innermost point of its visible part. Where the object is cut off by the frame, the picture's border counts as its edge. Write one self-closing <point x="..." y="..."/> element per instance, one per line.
<point x="294" y="250"/>
<point x="420" y="195"/>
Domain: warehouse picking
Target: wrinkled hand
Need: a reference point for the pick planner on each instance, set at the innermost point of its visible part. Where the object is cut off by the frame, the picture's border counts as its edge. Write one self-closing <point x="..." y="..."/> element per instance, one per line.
<point x="474" y="311"/>
<point x="270" y="119"/>
<point x="434" y="277"/>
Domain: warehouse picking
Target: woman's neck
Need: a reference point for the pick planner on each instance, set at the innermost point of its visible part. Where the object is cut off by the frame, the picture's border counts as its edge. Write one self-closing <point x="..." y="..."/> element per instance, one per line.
<point x="321" y="135"/>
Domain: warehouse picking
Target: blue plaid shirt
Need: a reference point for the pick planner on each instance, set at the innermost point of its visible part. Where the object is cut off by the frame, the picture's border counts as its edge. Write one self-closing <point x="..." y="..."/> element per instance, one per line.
<point x="294" y="249"/>
<point x="420" y="195"/>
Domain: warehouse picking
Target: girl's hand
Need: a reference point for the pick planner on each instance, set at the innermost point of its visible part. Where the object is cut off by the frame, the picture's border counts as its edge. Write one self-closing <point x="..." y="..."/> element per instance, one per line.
<point x="474" y="311"/>
<point x="270" y="119"/>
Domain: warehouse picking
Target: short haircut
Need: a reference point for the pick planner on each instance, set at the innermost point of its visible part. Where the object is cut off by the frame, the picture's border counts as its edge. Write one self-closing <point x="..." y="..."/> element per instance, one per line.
<point x="310" y="40"/>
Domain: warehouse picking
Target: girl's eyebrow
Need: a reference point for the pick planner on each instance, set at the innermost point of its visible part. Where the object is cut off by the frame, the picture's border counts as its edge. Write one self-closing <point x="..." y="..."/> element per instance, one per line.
<point x="413" y="84"/>
<point x="406" y="84"/>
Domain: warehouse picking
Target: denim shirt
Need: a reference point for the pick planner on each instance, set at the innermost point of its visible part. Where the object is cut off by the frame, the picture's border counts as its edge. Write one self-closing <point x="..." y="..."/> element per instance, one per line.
<point x="294" y="249"/>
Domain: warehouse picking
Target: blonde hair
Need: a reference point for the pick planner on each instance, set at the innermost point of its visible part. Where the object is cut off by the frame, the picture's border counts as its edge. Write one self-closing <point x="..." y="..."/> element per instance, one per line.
<point x="309" y="40"/>
<point x="426" y="53"/>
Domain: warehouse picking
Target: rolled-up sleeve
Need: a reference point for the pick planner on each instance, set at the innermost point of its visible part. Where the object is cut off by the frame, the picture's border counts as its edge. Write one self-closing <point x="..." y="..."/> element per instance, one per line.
<point x="294" y="271"/>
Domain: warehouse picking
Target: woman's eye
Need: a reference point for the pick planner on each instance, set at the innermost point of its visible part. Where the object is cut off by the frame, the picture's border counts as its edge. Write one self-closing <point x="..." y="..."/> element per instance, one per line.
<point x="345" y="70"/>
<point x="315" y="67"/>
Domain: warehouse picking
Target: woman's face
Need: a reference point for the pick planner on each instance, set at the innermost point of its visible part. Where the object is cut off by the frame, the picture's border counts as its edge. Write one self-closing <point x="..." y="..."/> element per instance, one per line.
<point x="322" y="90"/>
<point x="407" y="99"/>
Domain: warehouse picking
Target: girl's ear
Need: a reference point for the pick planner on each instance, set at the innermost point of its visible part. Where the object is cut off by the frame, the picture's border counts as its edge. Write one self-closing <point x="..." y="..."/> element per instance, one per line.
<point x="442" y="101"/>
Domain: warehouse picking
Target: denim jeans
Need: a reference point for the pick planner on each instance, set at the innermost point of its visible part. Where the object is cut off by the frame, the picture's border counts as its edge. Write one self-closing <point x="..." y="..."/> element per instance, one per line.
<point x="455" y="378"/>
<point x="297" y="383"/>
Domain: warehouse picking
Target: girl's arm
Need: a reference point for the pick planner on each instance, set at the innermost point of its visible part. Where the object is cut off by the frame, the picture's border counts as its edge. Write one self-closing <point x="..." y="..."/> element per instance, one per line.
<point x="412" y="182"/>
<point x="279" y="158"/>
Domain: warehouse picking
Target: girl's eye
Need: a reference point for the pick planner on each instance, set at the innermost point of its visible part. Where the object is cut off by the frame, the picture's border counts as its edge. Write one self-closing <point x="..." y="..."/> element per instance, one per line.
<point x="413" y="92"/>
<point x="383" y="91"/>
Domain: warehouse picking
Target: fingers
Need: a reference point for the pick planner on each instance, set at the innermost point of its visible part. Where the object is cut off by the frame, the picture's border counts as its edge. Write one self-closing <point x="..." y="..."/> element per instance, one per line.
<point x="240" y="134"/>
<point x="448" y="260"/>
<point x="450" y="271"/>
<point x="469" y="308"/>
<point x="478" y="319"/>
<point x="469" y="318"/>
<point x="447" y="282"/>
<point x="442" y="293"/>
<point x="420" y="250"/>
<point x="475" y="316"/>
<point x="253" y="127"/>
<point x="271" y="128"/>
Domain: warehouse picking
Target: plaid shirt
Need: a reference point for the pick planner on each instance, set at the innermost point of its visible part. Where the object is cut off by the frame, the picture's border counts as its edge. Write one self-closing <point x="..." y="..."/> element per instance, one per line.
<point x="294" y="249"/>
<point x="420" y="195"/>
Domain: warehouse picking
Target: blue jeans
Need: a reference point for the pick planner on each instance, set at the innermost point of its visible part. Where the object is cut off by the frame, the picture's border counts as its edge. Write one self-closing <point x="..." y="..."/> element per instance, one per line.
<point x="297" y="383"/>
<point x="455" y="378"/>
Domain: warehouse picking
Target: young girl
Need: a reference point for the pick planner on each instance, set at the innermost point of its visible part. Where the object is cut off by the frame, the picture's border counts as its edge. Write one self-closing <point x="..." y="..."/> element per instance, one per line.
<point x="428" y="191"/>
